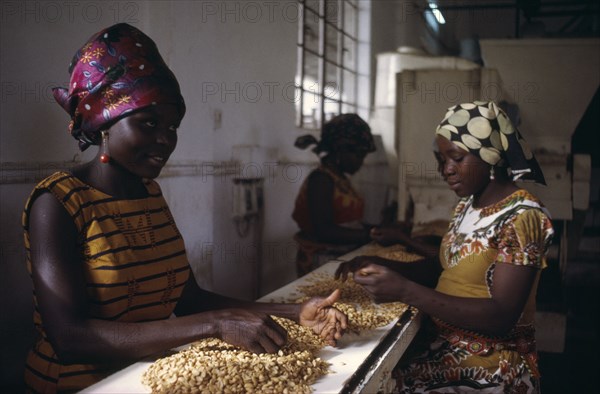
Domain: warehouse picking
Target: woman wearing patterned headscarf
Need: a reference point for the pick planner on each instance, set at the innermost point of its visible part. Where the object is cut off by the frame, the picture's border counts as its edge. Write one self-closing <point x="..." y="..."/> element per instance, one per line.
<point x="107" y="261"/>
<point x="328" y="210"/>
<point x="481" y="334"/>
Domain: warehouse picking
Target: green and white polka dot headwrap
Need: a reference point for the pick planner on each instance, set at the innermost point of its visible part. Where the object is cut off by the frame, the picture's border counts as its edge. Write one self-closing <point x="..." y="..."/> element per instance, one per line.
<point x="483" y="129"/>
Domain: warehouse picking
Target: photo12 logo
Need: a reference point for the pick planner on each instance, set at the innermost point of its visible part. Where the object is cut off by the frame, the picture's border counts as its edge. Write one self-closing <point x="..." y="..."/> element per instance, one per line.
<point x="69" y="11"/>
<point x="249" y="11"/>
<point x="235" y="252"/>
<point x="455" y="92"/>
<point x="22" y="91"/>
<point x="263" y="91"/>
<point x="271" y="172"/>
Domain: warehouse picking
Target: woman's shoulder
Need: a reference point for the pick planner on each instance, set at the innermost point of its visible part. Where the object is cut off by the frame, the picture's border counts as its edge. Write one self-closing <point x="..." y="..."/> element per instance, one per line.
<point x="69" y="189"/>
<point x="525" y="196"/>
<point x="60" y="184"/>
<point x="517" y="202"/>
<point x="57" y="178"/>
<point x="525" y="211"/>
<point x="69" y="182"/>
<point x="523" y="201"/>
<point x="322" y="171"/>
<point x="321" y="174"/>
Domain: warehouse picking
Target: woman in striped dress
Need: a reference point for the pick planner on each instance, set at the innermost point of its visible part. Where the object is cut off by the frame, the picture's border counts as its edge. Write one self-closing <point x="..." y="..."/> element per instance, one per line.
<point x="108" y="265"/>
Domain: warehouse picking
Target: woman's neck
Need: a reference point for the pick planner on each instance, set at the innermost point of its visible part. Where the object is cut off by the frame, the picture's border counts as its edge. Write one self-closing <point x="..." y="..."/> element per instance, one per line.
<point x="112" y="179"/>
<point x="495" y="191"/>
<point x="330" y="163"/>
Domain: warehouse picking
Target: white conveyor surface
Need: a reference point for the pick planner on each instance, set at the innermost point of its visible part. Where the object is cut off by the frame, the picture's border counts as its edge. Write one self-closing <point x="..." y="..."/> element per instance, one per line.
<point x="361" y="363"/>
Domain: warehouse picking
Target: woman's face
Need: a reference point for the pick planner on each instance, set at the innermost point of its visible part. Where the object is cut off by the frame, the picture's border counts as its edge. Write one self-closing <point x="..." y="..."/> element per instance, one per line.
<point x="466" y="173"/>
<point x="351" y="161"/>
<point x="142" y="142"/>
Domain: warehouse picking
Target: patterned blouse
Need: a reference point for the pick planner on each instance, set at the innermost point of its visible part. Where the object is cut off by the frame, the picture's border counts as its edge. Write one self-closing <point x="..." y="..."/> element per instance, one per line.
<point x="516" y="230"/>
<point x="134" y="263"/>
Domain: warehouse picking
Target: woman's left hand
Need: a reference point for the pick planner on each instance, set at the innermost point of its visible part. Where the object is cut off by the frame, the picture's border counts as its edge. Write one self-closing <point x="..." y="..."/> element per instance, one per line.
<point x="390" y="234"/>
<point x="319" y="314"/>
<point x="382" y="283"/>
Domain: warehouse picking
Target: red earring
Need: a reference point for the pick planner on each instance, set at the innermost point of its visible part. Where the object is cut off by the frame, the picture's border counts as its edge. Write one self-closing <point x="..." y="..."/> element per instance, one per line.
<point x="104" y="156"/>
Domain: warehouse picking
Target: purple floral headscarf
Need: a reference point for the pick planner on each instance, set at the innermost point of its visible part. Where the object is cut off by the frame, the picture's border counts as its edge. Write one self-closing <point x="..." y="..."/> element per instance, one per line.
<point x="118" y="70"/>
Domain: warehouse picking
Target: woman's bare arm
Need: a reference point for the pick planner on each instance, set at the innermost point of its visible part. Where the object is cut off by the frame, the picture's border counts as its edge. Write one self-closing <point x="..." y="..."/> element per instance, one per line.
<point x="496" y="315"/>
<point x="61" y="295"/>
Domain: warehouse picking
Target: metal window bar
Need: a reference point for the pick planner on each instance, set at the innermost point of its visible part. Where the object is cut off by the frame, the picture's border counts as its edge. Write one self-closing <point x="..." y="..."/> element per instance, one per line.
<point x="354" y="40"/>
<point x="323" y="62"/>
<point x="300" y="65"/>
<point x="322" y="54"/>
<point x="340" y="53"/>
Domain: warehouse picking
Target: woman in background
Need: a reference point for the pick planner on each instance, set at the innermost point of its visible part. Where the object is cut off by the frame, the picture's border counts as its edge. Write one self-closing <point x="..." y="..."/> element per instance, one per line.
<point x="328" y="210"/>
<point x="481" y="334"/>
<point x="108" y="264"/>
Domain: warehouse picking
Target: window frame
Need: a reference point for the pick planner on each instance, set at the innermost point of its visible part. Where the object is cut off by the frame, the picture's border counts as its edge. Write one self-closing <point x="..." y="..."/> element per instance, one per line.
<point x="321" y="90"/>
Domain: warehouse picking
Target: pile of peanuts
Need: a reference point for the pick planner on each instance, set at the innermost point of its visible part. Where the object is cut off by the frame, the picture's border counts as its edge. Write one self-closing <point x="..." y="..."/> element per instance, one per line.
<point x="213" y="366"/>
<point x="354" y="301"/>
<point x="395" y="252"/>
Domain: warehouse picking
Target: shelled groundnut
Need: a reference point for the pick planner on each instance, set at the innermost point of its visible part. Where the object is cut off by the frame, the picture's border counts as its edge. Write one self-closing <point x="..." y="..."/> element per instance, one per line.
<point x="355" y="302"/>
<point x="300" y="338"/>
<point x="395" y="252"/>
<point x="368" y="318"/>
<point x="321" y="285"/>
<point x="213" y="366"/>
<point x="401" y="256"/>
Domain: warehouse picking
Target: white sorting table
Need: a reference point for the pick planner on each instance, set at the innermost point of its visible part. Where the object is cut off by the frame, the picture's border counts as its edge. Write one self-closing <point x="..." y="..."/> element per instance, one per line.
<point x="361" y="363"/>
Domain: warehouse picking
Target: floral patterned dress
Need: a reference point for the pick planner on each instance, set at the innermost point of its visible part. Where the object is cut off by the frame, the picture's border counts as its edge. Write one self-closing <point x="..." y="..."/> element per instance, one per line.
<point x="516" y="230"/>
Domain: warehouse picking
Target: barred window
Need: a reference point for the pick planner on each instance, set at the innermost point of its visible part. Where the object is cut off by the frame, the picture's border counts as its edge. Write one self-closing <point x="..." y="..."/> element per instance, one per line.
<point x="327" y="76"/>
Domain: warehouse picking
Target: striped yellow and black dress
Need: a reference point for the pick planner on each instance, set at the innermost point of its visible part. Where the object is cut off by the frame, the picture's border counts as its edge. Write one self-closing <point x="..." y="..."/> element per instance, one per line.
<point x="134" y="262"/>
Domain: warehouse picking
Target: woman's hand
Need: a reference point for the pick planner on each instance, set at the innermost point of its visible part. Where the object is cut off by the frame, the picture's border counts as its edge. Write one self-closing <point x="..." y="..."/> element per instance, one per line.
<point x="351" y="266"/>
<point x="325" y="320"/>
<point x="253" y="331"/>
<point x="375" y="275"/>
<point x="391" y="234"/>
<point x="382" y="283"/>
